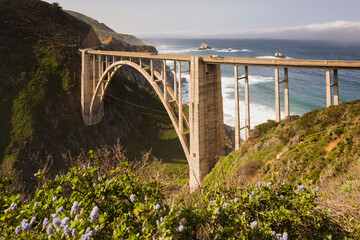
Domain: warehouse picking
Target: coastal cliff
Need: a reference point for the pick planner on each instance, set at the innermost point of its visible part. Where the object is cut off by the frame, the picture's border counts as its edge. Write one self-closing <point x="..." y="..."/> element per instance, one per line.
<point x="40" y="88"/>
<point x="103" y="31"/>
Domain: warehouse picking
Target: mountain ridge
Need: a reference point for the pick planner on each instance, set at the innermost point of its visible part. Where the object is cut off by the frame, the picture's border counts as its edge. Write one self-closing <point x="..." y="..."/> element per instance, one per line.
<point x="103" y="31"/>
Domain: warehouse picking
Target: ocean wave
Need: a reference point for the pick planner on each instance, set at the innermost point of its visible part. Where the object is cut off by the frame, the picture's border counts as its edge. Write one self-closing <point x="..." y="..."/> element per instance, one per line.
<point x="253" y="79"/>
<point x="258" y="113"/>
<point x="231" y="51"/>
<point x="177" y="51"/>
<point x="226" y="50"/>
<point x="273" y="57"/>
<point x="245" y="50"/>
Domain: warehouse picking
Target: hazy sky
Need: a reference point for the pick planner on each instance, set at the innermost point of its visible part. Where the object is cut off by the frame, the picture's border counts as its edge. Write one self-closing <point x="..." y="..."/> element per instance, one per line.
<point x="200" y="18"/>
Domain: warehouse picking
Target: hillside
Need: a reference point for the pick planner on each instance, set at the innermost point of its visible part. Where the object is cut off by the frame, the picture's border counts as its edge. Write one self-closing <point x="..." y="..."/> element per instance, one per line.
<point x="321" y="148"/>
<point x="40" y="95"/>
<point x="104" y="31"/>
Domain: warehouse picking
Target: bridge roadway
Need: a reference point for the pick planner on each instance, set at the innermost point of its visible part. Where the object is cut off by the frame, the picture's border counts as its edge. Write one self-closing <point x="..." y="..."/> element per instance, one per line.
<point x="200" y="130"/>
<point x="259" y="62"/>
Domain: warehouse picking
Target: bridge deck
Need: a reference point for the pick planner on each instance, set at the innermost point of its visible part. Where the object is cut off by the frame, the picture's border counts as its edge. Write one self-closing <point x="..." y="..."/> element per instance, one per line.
<point x="288" y="63"/>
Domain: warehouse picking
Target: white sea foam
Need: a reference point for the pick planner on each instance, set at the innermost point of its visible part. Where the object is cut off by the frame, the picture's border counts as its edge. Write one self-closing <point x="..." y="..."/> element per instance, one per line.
<point x="226" y="50"/>
<point x="273" y="57"/>
<point x="253" y="79"/>
<point x="258" y="113"/>
<point x="177" y="51"/>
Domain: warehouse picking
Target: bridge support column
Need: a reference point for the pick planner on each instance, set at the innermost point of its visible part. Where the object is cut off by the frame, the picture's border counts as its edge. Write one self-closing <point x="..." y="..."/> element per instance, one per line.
<point x="329" y="85"/>
<point x="206" y="119"/>
<point x="277" y="96"/>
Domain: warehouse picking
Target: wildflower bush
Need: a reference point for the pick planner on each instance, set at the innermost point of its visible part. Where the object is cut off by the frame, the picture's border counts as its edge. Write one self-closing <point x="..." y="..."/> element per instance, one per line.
<point x="92" y="203"/>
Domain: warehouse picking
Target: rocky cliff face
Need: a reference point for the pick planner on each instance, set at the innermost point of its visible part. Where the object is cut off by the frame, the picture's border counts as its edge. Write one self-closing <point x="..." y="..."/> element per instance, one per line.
<point x="104" y="31"/>
<point x="40" y="89"/>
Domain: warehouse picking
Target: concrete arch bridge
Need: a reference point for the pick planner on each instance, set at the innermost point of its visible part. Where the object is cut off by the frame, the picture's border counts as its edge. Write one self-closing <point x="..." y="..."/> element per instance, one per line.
<point x="201" y="131"/>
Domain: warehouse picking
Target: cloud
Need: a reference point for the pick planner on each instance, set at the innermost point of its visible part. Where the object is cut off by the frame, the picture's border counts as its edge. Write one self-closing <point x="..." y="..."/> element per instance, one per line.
<point x="340" y="31"/>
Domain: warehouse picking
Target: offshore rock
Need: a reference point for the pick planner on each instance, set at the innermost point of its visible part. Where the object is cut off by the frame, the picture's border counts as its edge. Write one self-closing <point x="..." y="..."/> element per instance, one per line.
<point x="279" y="55"/>
<point x="204" y="46"/>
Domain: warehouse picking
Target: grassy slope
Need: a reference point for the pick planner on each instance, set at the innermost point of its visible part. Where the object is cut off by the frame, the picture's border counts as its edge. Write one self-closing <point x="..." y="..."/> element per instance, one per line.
<point x="297" y="148"/>
<point x="104" y="31"/>
<point x="321" y="148"/>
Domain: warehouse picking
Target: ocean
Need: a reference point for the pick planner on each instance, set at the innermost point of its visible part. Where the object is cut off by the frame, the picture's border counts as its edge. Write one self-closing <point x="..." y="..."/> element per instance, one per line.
<point x="307" y="86"/>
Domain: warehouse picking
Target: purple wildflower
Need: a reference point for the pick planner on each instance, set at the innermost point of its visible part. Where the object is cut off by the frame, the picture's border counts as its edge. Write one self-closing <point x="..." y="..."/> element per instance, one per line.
<point x="17" y="229"/>
<point x="33" y="220"/>
<point x="132" y="197"/>
<point x="60" y="210"/>
<point x="94" y="214"/>
<point x="254" y="224"/>
<point x="45" y="222"/>
<point x="74" y="209"/>
<point x="49" y="230"/>
<point x="74" y="232"/>
<point x="56" y="222"/>
<point x="12" y="206"/>
<point x="65" y="221"/>
<point x="157" y="207"/>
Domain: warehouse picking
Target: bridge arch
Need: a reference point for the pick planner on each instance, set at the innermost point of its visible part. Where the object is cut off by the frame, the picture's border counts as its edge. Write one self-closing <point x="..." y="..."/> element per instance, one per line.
<point x="150" y="75"/>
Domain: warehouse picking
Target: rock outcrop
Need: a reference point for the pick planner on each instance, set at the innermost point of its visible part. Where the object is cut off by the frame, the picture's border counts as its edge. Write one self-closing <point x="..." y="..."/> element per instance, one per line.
<point x="280" y="55"/>
<point x="204" y="46"/>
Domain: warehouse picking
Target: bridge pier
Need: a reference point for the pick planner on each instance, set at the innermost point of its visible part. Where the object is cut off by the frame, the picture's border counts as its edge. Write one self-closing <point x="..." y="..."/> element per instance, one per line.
<point x="206" y="119"/>
<point x="329" y="85"/>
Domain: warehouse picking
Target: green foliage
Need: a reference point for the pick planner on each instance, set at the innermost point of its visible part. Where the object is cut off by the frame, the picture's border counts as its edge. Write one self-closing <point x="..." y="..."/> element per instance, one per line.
<point x="296" y="148"/>
<point x="103" y="204"/>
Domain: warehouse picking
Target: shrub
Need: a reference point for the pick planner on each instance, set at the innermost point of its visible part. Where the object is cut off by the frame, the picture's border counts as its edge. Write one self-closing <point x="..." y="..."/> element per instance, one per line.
<point x="89" y="202"/>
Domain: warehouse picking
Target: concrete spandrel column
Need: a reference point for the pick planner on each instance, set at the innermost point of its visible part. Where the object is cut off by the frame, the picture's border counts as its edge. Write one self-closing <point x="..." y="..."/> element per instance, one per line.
<point x="277" y="96"/>
<point x="237" y="109"/>
<point x="336" y="87"/>
<point x="328" y="88"/>
<point x="286" y="93"/>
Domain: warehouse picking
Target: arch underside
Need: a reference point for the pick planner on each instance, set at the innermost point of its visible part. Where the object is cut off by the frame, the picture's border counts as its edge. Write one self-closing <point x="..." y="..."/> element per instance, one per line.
<point x="153" y="77"/>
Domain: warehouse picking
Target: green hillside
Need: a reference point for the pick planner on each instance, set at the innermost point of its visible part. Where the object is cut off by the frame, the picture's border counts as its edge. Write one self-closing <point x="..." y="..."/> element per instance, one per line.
<point x="104" y="31"/>
<point x="40" y="95"/>
<point x="321" y="148"/>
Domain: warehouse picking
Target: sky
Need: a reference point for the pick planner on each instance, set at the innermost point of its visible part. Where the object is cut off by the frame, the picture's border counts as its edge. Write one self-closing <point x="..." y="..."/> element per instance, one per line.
<point x="312" y="19"/>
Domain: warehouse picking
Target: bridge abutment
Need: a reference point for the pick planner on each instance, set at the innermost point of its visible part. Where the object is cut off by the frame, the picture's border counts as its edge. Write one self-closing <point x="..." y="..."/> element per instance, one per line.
<point x="90" y="74"/>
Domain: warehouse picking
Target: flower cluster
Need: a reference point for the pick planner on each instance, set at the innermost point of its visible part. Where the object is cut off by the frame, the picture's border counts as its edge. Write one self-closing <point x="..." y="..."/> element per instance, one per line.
<point x="120" y="206"/>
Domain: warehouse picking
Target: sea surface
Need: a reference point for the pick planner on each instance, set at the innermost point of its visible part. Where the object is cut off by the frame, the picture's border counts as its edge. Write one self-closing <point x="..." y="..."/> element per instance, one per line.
<point x="307" y="86"/>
